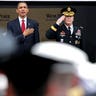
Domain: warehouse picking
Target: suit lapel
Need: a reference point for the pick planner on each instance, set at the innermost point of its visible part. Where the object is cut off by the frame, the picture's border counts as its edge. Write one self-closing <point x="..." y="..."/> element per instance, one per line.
<point x="28" y="23"/>
<point x="18" y="25"/>
<point x="65" y="29"/>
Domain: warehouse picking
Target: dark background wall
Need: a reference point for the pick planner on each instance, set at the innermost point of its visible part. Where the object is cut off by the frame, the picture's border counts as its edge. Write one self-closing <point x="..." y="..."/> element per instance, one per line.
<point x="85" y="17"/>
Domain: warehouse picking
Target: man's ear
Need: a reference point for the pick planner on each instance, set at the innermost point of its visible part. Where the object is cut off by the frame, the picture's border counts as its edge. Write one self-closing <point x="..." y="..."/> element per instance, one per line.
<point x="28" y="10"/>
<point x="16" y="11"/>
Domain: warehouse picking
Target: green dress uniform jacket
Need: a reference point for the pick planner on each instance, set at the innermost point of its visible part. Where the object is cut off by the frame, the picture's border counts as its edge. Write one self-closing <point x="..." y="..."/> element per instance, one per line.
<point x="61" y="34"/>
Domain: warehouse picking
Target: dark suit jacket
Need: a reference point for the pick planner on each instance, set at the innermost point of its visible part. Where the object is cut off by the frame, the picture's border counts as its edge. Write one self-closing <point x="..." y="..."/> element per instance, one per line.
<point x="72" y="39"/>
<point x="24" y="43"/>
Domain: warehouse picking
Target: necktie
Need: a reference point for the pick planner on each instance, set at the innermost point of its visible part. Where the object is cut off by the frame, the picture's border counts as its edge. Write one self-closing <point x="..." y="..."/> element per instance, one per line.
<point x="69" y="30"/>
<point x="23" y="26"/>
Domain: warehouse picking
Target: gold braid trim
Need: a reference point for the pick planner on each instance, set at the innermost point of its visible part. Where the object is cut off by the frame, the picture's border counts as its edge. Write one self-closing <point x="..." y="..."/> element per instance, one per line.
<point x="53" y="28"/>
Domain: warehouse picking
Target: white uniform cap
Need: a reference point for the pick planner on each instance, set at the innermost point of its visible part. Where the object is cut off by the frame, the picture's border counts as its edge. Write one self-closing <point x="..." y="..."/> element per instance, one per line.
<point x="59" y="52"/>
<point x="62" y="52"/>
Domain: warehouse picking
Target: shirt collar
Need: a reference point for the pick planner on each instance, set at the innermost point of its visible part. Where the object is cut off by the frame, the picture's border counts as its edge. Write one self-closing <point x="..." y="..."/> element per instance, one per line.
<point x="20" y="19"/>
<point x="71" y="27"/>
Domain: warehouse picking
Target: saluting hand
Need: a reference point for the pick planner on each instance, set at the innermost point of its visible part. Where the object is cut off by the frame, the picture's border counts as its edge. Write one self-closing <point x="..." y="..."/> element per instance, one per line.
<point x="59" y="21"/>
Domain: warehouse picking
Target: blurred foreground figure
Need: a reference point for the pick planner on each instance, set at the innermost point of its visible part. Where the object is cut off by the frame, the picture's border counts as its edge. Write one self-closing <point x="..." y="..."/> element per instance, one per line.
<point x="80" y="82"/>
<point x="62" y="79"/>
<point x="3" y="84"/>
<point x="7" y="45"/>
<point x="48" y="68"/>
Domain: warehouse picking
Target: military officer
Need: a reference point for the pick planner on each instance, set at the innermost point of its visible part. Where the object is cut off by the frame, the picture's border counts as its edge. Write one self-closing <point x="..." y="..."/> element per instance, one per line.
<point x="64" y="30"/>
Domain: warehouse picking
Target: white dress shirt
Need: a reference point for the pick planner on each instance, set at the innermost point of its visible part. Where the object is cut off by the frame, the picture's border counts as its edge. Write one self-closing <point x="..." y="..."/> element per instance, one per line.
<point x="25" y="20"/>
<point x="71" y="28"/>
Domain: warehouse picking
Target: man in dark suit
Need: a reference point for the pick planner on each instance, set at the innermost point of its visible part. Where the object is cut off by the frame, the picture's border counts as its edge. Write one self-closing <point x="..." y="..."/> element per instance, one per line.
<point x="24" y="30"/>
<point x="64" y="30"/>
